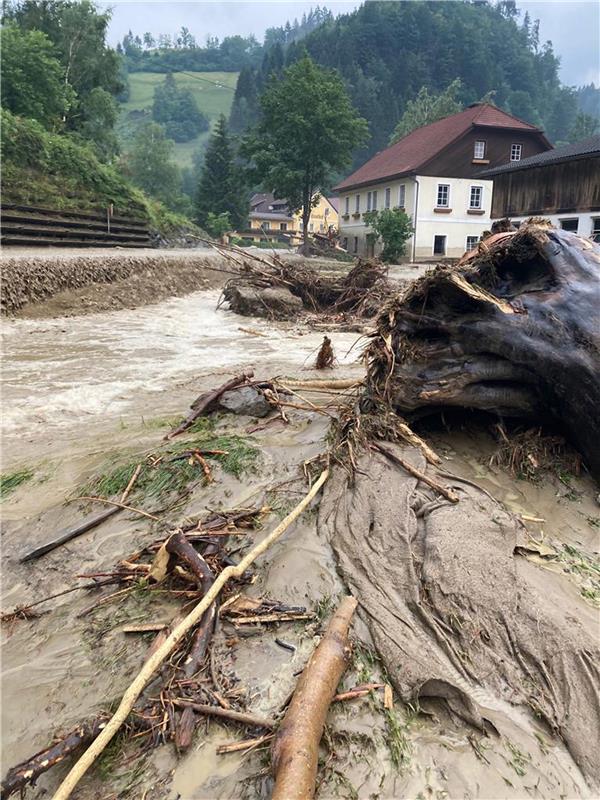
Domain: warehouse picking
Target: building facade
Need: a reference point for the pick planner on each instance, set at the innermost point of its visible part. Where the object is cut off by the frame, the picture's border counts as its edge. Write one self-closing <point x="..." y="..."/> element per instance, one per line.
<point x="562" y="185"/>
<point x="433" y="173"/>
<point x="271" y="220"/>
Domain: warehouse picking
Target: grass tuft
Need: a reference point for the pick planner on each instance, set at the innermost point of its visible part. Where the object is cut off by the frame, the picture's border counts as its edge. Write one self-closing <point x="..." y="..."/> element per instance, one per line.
<point x="163" y="473"/>
<point x="10" y="481"/>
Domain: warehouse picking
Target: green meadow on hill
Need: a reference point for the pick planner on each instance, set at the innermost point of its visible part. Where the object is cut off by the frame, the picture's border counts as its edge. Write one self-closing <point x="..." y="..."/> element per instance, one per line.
<point x="213" y="92"/>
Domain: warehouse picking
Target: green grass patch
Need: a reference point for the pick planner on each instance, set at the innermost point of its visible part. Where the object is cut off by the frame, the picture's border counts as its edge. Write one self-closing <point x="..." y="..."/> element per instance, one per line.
<point x="213" y="100"/>
<point x="164" y="473"/>
<point x="10" y="481"/>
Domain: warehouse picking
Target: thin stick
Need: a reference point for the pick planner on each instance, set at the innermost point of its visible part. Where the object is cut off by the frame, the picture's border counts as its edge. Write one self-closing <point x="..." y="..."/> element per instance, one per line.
<point x="204" y="464"/>
<point x="245" y="745"/>
<point x="83" y="527"/>
<point x="120" y="505"/>
<point x="237" y="716"/>
<point x="132" y="480"/>
<point x="447" y="493"/>
<point x="154" y="662"/>
<point x="357" y="691"/>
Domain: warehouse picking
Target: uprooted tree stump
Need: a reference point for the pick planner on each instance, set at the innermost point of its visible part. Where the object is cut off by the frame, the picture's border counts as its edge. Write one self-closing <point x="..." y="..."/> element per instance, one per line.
<point x="514" y="331"/>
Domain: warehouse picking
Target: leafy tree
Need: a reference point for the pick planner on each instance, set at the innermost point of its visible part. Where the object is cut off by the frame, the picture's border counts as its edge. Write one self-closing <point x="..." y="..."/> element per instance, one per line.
<point x="78" y="31"/>
<point x="585" y="125"/>
<point x="99" y="111"/>
<point x="218" y="224"/>
<point x="150" y="165"/>
<point x="307" y="130"/>
<point x="221" y="188"/>
<point x="32" y="77"/>
<point x="394" y="227"/>
<point x="427" y="108"/>
<point x="177" y="110"/>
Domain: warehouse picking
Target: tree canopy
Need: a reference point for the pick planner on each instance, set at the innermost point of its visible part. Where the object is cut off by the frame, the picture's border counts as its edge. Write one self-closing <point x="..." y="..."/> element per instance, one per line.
<point x="386" y="52"/>
<point x="221" y="188"/>
<point x="150" y="166"/>
<point x="32" y="77"/>
<point x="427" y="108"/>
<point x="307" y="130"/>
<point x="177" y="110"/>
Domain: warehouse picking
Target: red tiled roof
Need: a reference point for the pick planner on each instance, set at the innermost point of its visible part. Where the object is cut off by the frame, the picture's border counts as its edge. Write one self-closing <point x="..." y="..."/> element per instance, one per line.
<point x="422" y="144"/>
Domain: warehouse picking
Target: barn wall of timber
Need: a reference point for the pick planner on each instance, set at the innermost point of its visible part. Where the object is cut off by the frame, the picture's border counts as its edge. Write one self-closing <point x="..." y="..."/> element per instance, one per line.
<point x="457" y="160"/>
<point x="570" y="187"/>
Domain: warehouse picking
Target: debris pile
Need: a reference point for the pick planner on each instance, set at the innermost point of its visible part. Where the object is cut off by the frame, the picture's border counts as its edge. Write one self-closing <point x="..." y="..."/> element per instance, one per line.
<point x="271" y="287"/>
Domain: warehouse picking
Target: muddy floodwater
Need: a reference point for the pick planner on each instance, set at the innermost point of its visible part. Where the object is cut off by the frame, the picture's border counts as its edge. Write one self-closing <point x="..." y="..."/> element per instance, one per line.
<point x="82" y="392"/>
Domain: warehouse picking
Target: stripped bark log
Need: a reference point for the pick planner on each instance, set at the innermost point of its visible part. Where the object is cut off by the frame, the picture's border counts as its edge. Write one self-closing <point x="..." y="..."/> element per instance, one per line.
<point x="205" y="402"/>
<point x="296" y="746"/>
<point x="166" y="648"/>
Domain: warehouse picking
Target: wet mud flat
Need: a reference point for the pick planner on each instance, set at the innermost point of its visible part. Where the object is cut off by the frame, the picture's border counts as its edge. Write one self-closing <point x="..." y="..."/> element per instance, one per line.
<point x="67" y="422"/>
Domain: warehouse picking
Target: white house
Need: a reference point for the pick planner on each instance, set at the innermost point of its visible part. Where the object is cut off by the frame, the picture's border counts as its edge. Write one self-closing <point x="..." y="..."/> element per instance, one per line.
<point x="432" y="173"/>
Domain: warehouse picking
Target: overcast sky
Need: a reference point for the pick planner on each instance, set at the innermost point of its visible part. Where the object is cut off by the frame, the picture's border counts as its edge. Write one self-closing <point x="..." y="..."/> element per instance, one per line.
<point x="572" y="25"/>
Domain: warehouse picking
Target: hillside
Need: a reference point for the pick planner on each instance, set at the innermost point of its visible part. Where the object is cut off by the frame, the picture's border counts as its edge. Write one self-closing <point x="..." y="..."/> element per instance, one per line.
<point x="387" y="51"/>
<point x="213" y="92"/>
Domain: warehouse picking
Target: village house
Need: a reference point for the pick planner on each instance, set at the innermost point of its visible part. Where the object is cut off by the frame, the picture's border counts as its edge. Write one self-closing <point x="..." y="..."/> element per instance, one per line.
<point x="433" y="174"/>
<point x="562" y="185"/>
<point x="270" y="219"/>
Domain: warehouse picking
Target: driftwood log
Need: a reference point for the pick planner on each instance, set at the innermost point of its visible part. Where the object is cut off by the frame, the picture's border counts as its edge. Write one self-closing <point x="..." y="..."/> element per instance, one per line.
<point x="514" y="330"/>
<point x="296" y="746"/>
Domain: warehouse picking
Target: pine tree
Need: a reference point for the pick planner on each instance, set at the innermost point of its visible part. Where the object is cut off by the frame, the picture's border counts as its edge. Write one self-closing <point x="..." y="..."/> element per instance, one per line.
<point x="221" y="188"/>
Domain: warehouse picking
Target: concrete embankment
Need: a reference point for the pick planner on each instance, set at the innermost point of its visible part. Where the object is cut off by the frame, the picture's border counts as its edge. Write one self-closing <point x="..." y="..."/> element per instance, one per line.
<point x="47" y="283"/>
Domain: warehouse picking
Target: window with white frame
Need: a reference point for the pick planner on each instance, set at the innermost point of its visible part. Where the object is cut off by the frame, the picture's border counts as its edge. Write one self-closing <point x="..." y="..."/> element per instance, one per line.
<point x="479" y="150"/>
<point x="357" y="205"/>
<point x="472" y="242"/>
<point x="443" y="195"/>
<point x="356" y="244"/>
<point x="402" y="195"/>
<point x="388" y="197"/>
<point x="570" y="224"/>
<point x="596" y="226"/>
<point x="347" y="206"/>
<point x="345" y="242"/>
<point x="515" y="152"/>
<point x="374" y="207"/>
<point x="476" y="197"/>
<point x="369" y="200"/>
<point x="266" y="225"/>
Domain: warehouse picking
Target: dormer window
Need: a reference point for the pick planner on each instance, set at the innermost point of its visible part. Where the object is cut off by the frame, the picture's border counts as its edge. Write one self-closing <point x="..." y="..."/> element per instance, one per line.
<point x="479" y="150"/>
<point x="515" y="152"/>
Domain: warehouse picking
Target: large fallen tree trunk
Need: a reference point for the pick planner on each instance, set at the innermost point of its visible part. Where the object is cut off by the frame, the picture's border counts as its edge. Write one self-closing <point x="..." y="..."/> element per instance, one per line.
<point x="514" y="331"/>
<point x="296" y="747"/>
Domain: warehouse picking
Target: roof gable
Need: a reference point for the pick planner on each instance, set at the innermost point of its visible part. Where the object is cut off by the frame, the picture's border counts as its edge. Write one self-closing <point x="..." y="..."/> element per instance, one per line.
<point x="423" y="144"/>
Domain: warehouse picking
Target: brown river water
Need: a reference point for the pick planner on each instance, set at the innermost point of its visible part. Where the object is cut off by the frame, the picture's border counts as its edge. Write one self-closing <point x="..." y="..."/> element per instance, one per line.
<point x="79" y="392"/>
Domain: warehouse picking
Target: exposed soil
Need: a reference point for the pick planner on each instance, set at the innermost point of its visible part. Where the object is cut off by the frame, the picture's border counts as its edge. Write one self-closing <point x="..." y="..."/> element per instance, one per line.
<point x="90" y="390"/>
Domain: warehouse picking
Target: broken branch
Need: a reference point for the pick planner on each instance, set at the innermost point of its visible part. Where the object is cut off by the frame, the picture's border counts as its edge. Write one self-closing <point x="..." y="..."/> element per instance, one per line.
<point x="166" y="648"/>
<point x="447" y="493"/>
<point x="206" y="401"/>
